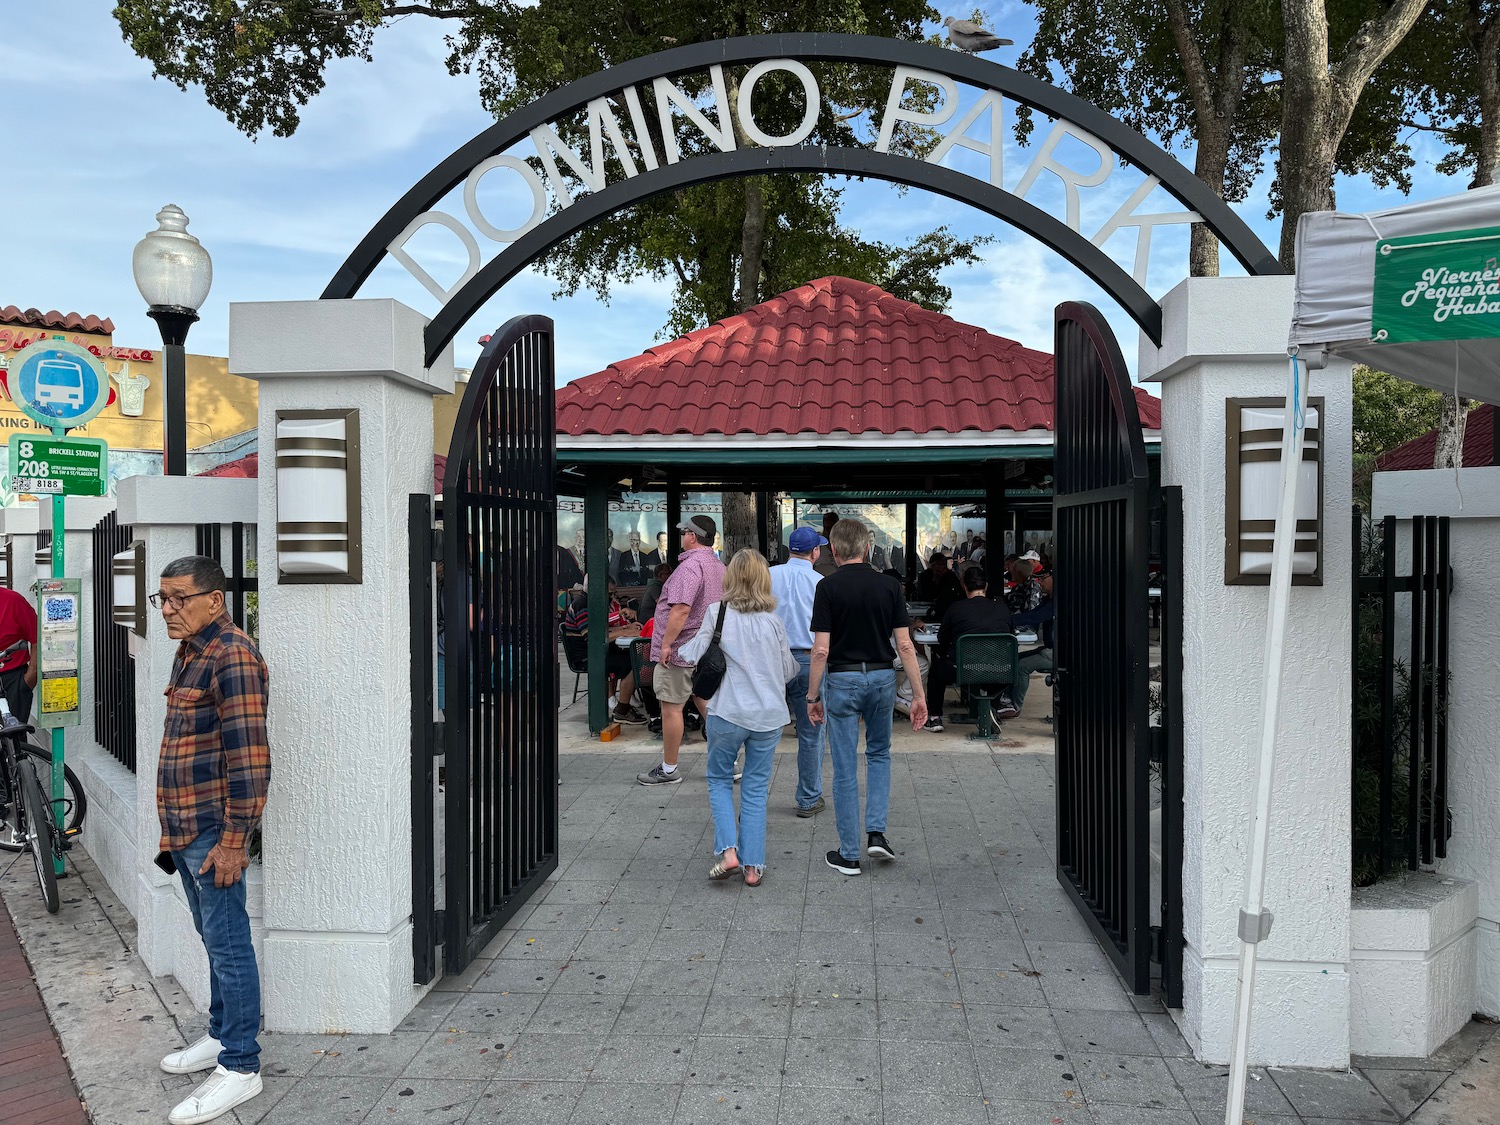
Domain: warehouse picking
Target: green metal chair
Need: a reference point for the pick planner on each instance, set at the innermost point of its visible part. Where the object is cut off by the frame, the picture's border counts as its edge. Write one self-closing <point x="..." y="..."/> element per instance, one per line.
<point x="986" y="664"/>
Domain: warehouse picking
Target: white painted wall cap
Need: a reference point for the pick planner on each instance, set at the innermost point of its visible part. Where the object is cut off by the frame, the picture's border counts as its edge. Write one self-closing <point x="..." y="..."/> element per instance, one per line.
<point x="179" y="501"/>
<point x="331" y="339"/>
<point x="20" y="521"/>
<point x="1223" y="319"/>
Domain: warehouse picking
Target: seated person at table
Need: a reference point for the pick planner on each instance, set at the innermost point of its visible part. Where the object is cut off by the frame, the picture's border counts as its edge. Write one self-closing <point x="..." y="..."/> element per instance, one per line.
<point x="938" y="585"/>
<point x="975" y="614"/>
<point x="1025" y="595"/>
<point x="616" y="659"/>
<point x="652" y="592"/>
<point x="1038" y="659"/>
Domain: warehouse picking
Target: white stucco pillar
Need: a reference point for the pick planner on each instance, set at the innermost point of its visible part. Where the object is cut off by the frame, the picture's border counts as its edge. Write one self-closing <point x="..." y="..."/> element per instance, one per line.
<point x="163" y="512"/>
<point x="338" y="824"/>
<point x="19" y="526"/>
<point x="1223" y="338"/>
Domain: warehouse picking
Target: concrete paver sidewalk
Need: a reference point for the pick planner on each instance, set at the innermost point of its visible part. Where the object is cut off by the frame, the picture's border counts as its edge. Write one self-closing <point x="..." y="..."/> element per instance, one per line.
<point x="955" y="984"/>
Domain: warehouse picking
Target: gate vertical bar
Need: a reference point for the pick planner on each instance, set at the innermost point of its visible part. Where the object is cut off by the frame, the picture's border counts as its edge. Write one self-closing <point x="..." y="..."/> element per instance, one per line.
<point x="1440" y="675"/>
<point x="1171" y="772"/>
<point x="1414" y="725"/>
<point x="424" y="938"/>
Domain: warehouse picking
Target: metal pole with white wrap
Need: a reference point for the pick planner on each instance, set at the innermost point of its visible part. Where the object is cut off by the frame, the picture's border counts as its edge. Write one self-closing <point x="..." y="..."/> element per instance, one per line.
<point x="1255" y="919"/>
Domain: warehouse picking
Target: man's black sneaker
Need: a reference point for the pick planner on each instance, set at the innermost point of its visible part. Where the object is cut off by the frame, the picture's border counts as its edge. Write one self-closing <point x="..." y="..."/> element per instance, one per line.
<point x="934" y="724"/>
<point x="629" y="716"/>
<point x="879" y="847"/>
<point x="841" y="865"/>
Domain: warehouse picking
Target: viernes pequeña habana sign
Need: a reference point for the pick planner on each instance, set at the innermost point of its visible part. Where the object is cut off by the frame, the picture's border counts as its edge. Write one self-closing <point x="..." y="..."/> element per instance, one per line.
<point x="1440" y="286"/>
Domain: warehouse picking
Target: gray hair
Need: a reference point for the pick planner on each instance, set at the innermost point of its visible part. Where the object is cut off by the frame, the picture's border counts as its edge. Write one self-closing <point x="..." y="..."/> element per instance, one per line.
<point x="206" y="574"/>
<point x="850" y="539"/>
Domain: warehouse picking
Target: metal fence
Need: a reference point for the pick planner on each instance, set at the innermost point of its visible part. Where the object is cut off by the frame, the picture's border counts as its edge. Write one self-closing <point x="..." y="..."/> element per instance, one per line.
<point x="241" y="574"/>
<point x="114" y="670"/>
<point x="1400" y="697"/>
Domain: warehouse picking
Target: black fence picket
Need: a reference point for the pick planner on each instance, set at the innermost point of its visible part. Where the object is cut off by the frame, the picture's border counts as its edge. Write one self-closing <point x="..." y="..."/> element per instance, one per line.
<point x="114" y="670"/>
<point x="241" y="579"/>
<point x="1400" y="706"/>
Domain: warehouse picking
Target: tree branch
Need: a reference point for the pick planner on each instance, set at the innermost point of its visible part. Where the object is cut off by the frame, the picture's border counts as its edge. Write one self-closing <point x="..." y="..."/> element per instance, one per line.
<point x="394" y="10"/>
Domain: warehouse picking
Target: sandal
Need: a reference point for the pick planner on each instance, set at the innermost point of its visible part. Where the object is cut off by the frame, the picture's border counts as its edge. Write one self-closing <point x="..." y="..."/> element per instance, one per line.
<point x="754" y="878"/>
<point x="719" y="871"/>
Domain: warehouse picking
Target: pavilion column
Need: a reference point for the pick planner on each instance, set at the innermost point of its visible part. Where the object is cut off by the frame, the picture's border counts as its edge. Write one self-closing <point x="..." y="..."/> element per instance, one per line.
<point x="596" y="536"/>
<point x="1226" y="338"/>
<point x="912" y="560"/>
<point x="674" y="517"/>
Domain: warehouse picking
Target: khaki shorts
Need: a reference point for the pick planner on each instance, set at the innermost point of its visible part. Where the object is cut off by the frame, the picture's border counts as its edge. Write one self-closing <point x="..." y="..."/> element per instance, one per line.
<point x="672" y="684"/>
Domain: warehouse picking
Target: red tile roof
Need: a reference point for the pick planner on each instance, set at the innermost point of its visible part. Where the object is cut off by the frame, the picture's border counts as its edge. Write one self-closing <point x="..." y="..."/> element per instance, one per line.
<point x="1479" y="445"/>
<point x="833" y="356"/>
<point x="63" y="322"/>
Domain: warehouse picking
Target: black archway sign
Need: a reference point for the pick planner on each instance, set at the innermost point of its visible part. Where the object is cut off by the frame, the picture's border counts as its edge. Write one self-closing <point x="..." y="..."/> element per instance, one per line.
<point x="1130" y="146"/>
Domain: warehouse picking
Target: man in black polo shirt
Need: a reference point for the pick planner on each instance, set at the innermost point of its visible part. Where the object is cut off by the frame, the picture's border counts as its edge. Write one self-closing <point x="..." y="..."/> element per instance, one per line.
<point x="975" y="614"/>
<point x="853" y="677"/>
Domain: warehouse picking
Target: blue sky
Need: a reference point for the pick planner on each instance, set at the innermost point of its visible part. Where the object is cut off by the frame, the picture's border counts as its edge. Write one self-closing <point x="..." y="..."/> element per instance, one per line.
<point x="97" y="146"/>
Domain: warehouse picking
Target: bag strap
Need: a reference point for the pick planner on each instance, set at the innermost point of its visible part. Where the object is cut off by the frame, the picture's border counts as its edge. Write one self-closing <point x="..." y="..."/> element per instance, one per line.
<point x="719" y="624"/>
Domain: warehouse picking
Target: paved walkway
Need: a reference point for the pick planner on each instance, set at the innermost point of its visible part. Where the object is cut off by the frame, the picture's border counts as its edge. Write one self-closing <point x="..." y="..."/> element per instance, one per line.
<point x="954" y="984"/>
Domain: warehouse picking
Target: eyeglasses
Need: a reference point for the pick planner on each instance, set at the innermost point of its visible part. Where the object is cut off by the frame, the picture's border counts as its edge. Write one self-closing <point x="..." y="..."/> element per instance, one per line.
<point x="176" y="601"/>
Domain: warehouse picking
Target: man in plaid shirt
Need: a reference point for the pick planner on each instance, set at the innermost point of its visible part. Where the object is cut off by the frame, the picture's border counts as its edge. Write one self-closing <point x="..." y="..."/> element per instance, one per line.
<point x="210" y="792"/>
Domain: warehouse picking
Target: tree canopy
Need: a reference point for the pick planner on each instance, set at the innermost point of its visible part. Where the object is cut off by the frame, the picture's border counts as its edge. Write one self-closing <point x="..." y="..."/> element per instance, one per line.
<point x="725" y="246"/>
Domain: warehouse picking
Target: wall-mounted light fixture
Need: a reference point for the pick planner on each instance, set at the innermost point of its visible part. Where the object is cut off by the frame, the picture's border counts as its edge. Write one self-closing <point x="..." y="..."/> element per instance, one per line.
<point x="129" y="575"/>
<point x="1252" y="493"/>
<point x="317" y="496"/>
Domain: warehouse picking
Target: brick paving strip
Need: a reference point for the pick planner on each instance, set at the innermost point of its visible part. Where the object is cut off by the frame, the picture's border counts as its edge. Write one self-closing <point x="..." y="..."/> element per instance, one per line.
<point x="35" y="1084"/>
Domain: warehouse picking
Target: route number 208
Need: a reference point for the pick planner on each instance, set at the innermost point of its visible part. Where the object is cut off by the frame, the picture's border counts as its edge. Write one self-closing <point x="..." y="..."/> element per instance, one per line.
<point x="28" y="467"/>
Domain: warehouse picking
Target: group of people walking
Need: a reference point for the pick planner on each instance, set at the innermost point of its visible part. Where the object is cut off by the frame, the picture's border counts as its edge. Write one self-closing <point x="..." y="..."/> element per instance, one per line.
<point x="799" y="645"/>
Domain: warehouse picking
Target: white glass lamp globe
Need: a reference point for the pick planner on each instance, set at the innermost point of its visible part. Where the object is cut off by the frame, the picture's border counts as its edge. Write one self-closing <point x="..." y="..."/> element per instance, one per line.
<point x="172" y="270"/>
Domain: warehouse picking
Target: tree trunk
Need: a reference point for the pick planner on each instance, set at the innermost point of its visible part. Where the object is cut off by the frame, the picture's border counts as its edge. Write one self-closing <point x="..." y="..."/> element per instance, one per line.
<point x="1449" y="451"/>
<point x="1213" y="155"/>
<point x="752" y="242"/>
<point x="1488" y="45"/>
<point x="739" y="528"/>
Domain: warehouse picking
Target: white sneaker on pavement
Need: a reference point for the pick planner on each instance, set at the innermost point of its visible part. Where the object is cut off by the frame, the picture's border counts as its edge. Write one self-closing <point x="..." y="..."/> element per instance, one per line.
<point x="202" y="1055"/>
<point x="220" y="1092"/>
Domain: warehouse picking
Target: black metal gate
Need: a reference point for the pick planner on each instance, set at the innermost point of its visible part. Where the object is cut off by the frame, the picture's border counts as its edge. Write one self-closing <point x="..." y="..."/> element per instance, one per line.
<point x="499" y="737"/>
<point x="1102" y="488"/>
<point x="114" y="669"/>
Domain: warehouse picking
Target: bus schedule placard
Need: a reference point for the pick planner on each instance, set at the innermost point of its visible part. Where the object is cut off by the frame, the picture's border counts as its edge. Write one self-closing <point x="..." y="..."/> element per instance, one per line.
<point x="58" y="466"/>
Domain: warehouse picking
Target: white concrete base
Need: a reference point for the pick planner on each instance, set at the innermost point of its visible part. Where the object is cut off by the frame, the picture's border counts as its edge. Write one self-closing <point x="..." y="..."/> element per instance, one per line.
<point x="1487" y="978"/>
<point x="1413" y="964"/>
<point x="330" y="983"/>
<point x="1301" y="1012"/>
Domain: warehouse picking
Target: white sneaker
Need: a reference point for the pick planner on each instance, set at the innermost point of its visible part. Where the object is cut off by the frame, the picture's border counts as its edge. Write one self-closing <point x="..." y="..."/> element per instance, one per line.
<point x="221" y="1091"/>
<point x="202" y="1055"/>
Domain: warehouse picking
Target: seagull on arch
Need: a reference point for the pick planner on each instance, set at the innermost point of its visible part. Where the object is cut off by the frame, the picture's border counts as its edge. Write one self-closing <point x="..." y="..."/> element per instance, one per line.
<point x="970" y="38"/>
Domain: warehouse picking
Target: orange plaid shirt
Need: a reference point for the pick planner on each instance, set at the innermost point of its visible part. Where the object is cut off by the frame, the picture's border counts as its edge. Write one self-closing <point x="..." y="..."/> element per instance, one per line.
<point x="215" y="757"/>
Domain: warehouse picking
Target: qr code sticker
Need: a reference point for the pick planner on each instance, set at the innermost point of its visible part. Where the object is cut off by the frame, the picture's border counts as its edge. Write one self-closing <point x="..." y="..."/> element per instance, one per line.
<point x="59" y="609"/>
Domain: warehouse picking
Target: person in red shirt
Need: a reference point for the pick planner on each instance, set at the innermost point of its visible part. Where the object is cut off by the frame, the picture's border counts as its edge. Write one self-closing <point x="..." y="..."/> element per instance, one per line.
<point x="18" y="672"/>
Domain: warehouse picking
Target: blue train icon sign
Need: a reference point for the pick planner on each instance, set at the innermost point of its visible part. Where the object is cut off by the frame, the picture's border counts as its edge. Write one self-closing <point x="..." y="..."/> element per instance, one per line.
<point x="58" y="384"/>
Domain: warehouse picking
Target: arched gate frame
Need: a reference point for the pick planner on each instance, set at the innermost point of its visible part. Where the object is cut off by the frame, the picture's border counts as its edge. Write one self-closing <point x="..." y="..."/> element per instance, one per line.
<point x="591" y="196"/>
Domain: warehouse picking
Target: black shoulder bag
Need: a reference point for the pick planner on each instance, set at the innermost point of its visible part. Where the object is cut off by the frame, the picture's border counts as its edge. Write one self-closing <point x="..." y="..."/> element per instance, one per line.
<point x="708" y="674"/>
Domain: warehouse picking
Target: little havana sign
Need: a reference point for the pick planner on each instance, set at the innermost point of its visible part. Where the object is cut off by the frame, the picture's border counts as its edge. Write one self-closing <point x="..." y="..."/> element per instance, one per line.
<point x="980" y="129"/>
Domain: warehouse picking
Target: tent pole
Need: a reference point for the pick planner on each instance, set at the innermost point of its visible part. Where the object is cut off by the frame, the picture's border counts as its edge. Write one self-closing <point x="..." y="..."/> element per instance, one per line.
<point x="1255" y="920"/>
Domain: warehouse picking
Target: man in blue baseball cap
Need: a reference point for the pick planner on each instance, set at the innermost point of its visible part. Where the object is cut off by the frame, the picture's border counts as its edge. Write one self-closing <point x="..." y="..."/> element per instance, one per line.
<point x="793" y="583"/>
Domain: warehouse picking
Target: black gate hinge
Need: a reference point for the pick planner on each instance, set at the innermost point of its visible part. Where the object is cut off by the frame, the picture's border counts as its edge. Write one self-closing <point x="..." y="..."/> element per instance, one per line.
<point x="437" y="543"/>
<point x="439" y="739"/>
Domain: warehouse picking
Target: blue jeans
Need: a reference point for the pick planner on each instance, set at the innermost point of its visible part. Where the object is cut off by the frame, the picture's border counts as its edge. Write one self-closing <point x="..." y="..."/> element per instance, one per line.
<point x="724" y="742"/>
<point x="1037" y="660"/>
<point x="220" y="917"/>
<point x="809" y="737"/>
<point x="849" y="697"/>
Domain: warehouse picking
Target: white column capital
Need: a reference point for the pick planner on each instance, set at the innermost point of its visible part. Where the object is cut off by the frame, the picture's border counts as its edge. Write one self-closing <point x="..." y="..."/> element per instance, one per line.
<point x="1219" y="319"/>
<point x="187" y="501"/>
<point x="321" y="339"/>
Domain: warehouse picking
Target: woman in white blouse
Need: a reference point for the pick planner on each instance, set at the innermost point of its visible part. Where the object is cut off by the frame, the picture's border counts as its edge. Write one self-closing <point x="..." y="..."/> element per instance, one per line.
<point x="748" y="710"/>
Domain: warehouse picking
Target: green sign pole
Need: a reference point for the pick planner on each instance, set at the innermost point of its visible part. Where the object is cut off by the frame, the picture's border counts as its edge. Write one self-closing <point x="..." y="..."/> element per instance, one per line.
<point x="59" y="542"/>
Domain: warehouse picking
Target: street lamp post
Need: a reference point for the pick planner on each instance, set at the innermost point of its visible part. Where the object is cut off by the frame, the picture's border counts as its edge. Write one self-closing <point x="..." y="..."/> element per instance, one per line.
<point x="173" y="272"/>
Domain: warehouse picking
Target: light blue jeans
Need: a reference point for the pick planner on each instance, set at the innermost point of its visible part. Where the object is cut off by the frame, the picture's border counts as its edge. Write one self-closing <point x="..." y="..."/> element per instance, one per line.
<point x="222" y="921"/>
<point x="748" y="835"/>
<point x="849" y="697"/>
<point x="809" y="736"/>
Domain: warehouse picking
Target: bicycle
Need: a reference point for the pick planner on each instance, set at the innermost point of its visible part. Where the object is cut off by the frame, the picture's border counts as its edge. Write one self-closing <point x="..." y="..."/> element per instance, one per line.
<point x="71" y="809"/>
<point x="33" y="816"/>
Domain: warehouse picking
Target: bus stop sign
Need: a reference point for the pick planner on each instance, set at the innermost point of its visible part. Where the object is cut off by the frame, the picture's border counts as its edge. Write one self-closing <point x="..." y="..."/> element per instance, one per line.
<point x="58" y="466"/>
<point x="59" y="384"/>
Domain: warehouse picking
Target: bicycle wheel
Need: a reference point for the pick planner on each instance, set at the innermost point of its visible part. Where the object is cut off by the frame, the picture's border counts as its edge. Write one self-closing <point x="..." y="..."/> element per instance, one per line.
<point x="75" y="805"/>
<point x="41" y="833"/>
